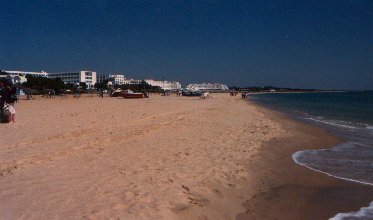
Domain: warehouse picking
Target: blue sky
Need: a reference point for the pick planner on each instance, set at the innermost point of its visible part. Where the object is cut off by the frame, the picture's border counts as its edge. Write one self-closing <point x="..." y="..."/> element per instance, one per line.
<point x="306" y="44"/>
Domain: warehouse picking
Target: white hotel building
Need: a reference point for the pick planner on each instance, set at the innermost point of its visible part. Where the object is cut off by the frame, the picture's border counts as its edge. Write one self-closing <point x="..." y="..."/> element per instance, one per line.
<point x="87" y="77"/>
<point x="165" y="85"/>
<point x="90" y="78"/>
<point x="24" y="73"/>
<point x="115" y="79"/>
<point x="119" y="79"/>
<point x="207" y="87"/>
<point x="21" y="75"/>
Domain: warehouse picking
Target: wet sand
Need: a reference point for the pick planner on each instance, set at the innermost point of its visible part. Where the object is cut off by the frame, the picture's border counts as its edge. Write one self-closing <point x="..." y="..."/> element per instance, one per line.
<point x="163" y="158"/>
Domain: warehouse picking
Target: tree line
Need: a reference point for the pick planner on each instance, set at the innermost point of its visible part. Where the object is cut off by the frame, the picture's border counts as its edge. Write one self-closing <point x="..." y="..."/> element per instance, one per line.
<point x="44" y="84"/>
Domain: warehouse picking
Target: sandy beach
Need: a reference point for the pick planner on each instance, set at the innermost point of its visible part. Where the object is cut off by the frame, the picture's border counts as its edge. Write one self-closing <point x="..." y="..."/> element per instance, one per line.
<point x="164" y="158"/>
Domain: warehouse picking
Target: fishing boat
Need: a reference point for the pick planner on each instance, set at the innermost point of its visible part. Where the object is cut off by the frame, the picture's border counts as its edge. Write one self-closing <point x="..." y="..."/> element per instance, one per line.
<point x="191" y="93"/>
<point x="129" y="94"/>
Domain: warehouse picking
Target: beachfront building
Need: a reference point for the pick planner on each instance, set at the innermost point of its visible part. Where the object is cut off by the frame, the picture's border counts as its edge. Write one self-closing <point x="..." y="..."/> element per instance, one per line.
<point x="165" y="85"/>
<point x="25" y="73"/>
<point x="20" y="76"/>
<point x="88" y="77"/>
<point x="102" y="78"/>
<point x="117" y="79"/>
<point x="207" y="87"/>
<point x="132" y="81"/>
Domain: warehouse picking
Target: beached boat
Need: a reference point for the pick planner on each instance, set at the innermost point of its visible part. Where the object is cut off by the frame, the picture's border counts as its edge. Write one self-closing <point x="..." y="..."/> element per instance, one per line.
<point x="191" y="93"/>
<point x="116" y="93"/>
<point x="129" y="94"/>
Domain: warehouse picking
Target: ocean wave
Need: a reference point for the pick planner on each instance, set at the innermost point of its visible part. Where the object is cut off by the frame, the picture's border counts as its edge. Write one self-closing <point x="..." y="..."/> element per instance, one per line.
<point x="365" y="213"/>
<point x="298" y="154"/>
<point x="340" y="123"/>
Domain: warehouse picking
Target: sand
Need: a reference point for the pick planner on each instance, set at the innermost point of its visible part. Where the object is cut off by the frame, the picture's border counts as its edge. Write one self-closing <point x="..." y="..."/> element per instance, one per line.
<point x="162" y="158"/>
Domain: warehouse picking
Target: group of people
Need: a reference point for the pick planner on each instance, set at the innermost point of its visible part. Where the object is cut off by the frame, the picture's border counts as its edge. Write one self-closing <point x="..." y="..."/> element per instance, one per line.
<point x="179" y="92"/>
<point x="243" y="95"/>
<point x="233" y="93"/>
<point x="8" y="96"/>
<point x="100" y="93"/>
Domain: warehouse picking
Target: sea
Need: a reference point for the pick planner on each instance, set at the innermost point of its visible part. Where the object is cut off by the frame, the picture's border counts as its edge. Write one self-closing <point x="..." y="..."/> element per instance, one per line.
<point x="349" y="115"/>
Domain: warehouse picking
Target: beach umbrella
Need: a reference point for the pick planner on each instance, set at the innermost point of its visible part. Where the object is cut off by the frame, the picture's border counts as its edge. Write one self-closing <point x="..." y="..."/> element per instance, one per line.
<point x="17" y="79"/>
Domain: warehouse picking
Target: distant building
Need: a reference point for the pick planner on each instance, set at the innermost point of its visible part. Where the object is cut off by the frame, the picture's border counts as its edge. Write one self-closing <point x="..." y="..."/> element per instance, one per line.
<point x="117" y="79"/>
<point x="101" y="78"/>
<point x="88" y="77"/>
<point x="132" y="81"/>
<point x="20" y="76"/>
<point x="25" y="73"/>
<point x="207" y="87"/>
<point x="165" y="85"/>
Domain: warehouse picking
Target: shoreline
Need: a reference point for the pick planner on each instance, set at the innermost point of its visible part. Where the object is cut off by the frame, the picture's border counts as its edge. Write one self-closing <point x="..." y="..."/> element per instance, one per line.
<point x="304" y="193"/>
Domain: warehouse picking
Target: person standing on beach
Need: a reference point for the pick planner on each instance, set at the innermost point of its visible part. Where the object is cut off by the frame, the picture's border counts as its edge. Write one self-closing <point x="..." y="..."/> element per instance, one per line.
<point x="11" y="112"/>
<point x="11" y="96"/>
<point x="18" y="94"/>
<point x="2" y="99"/>
<point x="243" y="95"/>
<point x="8" y="97"/>
<point x="2" y="91"/>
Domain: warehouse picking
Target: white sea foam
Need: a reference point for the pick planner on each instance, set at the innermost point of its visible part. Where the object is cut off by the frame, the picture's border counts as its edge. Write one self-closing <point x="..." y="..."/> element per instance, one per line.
<point x="356" y="154"/>
<point x="343" y="124"/>
<point x="361" y="144"/>
<point x="297" y="154"/>
<point x="365" y="213"/>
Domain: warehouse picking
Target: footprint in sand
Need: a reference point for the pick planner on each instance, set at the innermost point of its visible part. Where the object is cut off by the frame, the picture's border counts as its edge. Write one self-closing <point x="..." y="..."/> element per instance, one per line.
<point x="198" y="200"/>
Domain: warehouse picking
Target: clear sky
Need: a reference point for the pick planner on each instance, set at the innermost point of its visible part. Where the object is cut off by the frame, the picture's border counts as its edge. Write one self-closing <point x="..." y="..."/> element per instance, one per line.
<point x="301" y="43"/>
